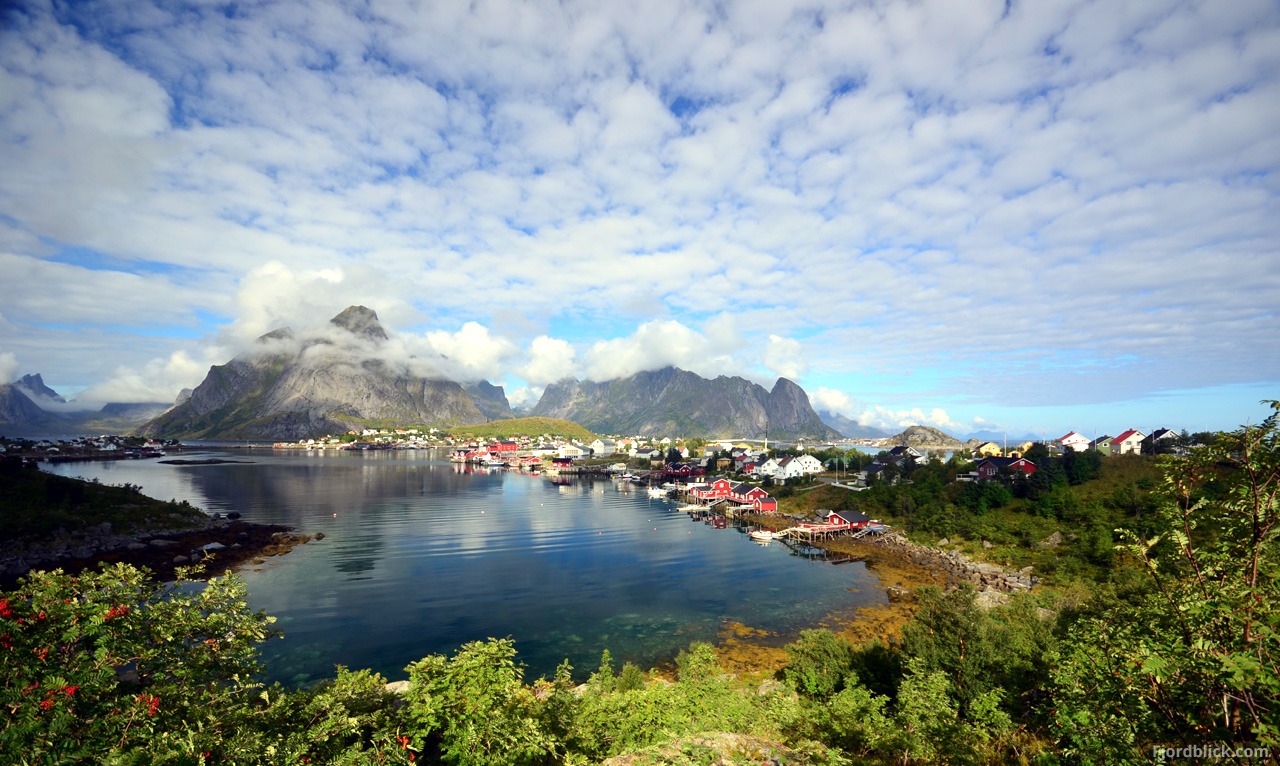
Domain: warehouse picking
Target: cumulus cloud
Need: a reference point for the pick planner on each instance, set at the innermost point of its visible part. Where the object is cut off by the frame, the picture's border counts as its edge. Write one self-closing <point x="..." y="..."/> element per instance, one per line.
<point x="8" y="367"/>
<point x="659" y="344"/>
<point x="831" y="400"/>
<point x="1031" y="202"/>
<point x="472" y="353"/>
<point x="785" y="357"/>
<point x="159" y="380"/>
<point x="524" y="397"/>
<point x="550" y="359"/>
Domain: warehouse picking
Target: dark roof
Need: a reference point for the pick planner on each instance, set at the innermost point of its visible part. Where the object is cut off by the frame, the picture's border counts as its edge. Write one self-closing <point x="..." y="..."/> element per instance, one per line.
<point x="1002" y="462"/>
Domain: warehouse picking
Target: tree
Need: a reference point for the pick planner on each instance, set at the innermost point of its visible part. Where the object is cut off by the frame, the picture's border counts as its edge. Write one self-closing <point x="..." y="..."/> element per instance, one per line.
<point x="1037" y="453"/>
<point x="477" y="705"/>
<point x="1195" y="658"/>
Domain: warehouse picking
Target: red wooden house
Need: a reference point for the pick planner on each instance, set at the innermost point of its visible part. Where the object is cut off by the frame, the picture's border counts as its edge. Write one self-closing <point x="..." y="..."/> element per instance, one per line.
<point x="992" y="467"/>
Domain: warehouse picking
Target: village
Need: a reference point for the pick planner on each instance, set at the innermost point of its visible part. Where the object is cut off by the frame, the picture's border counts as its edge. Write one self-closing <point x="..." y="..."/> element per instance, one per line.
<point x="733" y="478"/>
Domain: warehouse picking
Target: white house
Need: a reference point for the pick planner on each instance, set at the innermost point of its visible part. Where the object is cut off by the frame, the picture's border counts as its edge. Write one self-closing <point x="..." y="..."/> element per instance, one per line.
<point x="790" y="467"/>
<point x="802" y="465"/>
<point x="1075" y="441"/>
<point x="1129" y="441"/>
<point x="571" y="451"/>
<point x="603" y="447"/>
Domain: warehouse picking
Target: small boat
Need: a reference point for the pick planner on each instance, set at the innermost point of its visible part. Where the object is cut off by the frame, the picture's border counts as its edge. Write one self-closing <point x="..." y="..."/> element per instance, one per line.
<point x="763" y="534"/>
<point x="657" y="492"/>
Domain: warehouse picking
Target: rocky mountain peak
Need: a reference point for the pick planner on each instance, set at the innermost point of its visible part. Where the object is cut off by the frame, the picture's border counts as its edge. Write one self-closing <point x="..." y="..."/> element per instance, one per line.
<point x="34" y="387"/>
<point x="283" y="333"/>
<point x="360" y="321"/>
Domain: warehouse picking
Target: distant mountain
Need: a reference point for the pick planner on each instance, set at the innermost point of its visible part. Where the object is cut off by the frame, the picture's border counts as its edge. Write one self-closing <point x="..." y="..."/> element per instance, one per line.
<point x="1000" y="437"/>
<point x="677" y="402"/>
<point x="491" y="400"/>
<point x="35" y="389"/>
<point x="923" y="437"/>
<point x="850" y="428"/>
<point x="22" y="415"/>
<point x="321" y="382"/>
<point x="19" y="416"/>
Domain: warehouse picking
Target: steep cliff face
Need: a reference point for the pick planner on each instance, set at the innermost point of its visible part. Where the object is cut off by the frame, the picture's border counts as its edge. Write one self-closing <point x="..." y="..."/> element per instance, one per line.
<point x="291" y="388"/>
<point x="18" y="414"/>
<point x="671" y="401"/>
<point x="490" y="399"/>
<point x="35" y="389"/>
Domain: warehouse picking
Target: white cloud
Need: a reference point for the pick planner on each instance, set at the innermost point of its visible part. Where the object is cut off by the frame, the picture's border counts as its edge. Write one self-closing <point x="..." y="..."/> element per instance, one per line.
<point x="785" y="357"/>
<point x="8" y="367"/>
<point x="659" y="344"/>
<point x="831" y="400"/>
<point x="472" y="353"/>
<point x="159" y="380"/>
<point x="549" y="359"/>
<point x="1019" y="199"/>
<point x="524" y="397"/>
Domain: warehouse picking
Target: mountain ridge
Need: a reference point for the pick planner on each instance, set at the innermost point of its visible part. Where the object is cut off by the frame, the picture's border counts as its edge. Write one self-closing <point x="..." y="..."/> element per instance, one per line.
<point x="293" y="386"/>
<point x="672" y="401"/>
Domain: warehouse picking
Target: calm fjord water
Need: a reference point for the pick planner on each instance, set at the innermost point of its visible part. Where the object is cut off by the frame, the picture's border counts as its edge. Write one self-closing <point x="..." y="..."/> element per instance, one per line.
<point x="422" y="555"/>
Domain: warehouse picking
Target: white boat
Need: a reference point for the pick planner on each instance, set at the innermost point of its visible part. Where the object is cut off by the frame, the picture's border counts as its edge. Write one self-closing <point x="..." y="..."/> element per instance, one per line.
<point x="657" y="492"/>
<point x="763" y="534"/>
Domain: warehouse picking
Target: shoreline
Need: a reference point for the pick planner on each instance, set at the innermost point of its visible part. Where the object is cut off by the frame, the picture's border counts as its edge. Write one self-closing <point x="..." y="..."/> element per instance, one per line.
<point x="221" y="545"/>
<point x="901" y="566"/>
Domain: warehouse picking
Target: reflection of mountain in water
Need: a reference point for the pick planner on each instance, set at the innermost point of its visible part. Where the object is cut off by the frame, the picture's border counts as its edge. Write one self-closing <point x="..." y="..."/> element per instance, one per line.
<point x="421" y="555"/>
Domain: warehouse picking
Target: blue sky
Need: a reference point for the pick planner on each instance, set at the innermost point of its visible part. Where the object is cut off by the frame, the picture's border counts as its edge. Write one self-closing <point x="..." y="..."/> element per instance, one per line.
<point x="971" y="214"/>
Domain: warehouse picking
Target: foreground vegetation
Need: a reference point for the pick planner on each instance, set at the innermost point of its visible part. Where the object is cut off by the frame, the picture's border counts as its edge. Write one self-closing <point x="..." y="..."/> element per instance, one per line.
<point x="1173" y="643"/>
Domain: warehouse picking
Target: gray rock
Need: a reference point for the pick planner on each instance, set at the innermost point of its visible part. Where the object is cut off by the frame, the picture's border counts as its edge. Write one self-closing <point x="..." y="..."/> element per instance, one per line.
<point x="397" y="687"/>
<point x="989" y="599"/>
<point x="1052" y="540"/>
<point x="180" y="560"/>
<point x="987" y="545"/>
<point x="159" y="543"/>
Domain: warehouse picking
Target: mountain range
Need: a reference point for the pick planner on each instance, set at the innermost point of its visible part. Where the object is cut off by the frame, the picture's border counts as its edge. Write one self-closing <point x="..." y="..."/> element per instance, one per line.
<point x="850" y="428"/>
<point x="322" y="382"/>
<point x="23" y="413"/>
<point x="346" y="374"/>
<point x="676" y="402"/>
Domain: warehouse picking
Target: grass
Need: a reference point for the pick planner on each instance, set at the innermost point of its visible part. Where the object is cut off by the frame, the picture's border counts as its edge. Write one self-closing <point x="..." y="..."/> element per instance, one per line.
<point x="523" y="427"/>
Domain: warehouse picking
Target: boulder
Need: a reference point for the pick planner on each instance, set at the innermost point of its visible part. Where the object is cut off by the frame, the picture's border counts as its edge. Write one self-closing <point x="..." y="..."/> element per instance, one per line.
<point x="1051" y="541"/>
<point x="989" y="599"/>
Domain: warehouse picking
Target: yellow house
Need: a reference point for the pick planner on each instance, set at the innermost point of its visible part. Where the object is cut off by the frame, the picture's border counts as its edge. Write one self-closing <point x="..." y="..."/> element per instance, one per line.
<point x="1020" y="449"/>
<point x="989" y="449"/>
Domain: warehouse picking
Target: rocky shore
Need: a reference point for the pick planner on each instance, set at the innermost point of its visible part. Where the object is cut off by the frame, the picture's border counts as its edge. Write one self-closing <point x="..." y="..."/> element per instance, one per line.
<point x="902" y="566"/>
<point x="221" y="544"/>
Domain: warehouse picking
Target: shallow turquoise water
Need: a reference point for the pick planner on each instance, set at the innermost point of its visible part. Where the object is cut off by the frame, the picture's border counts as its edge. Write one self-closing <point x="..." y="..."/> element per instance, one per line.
<point x="422" y="555"/>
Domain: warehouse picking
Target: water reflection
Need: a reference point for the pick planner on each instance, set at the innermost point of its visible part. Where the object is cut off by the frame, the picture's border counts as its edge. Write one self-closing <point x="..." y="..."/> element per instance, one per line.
<point x="422" y="555"/>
